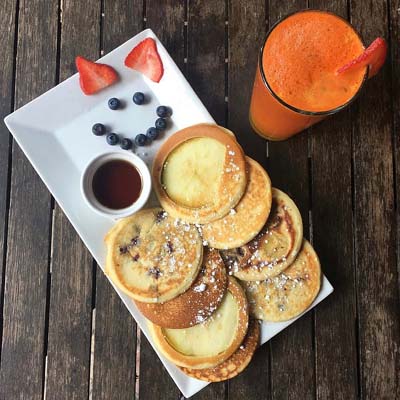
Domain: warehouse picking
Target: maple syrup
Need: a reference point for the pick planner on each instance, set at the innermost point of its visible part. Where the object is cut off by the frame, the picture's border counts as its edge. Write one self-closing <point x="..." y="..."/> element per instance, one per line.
<point x="117" y="184"/>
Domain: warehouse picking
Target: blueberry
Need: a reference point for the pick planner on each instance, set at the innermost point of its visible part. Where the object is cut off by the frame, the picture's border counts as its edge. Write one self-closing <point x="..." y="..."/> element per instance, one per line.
<point x="161" y="124"/>
<point x="140" y="140"/>
<point x="126" y="144"/>
<point x="152" y="133"/>
<point x="112" y="139"/>
<point x="114" y="103"/>
<point x="163" y="111"/>
<point x="98" y="129"/>
<point x="138" y="98"/>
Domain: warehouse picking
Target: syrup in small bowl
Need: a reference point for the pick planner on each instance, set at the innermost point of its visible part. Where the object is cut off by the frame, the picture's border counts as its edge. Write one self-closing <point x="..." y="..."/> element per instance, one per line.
<point x="116" y="184"/>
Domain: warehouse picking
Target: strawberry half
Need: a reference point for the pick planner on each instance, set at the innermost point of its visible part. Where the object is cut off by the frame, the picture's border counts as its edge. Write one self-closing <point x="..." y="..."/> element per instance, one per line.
<point x="94" y="77"/>
<point x="374" y="56"/>
<point x="145" y="59"/>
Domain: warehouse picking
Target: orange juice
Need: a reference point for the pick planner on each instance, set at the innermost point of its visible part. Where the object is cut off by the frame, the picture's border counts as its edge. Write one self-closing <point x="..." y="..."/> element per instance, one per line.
<point x="296" y="84"/>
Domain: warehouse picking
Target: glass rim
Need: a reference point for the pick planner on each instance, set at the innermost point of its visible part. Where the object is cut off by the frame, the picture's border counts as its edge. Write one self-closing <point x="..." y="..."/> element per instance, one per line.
<point x="284" y="103"/>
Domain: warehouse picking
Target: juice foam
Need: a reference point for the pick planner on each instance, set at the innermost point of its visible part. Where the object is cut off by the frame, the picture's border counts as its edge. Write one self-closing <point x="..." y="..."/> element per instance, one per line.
<point x="301" y="56"/>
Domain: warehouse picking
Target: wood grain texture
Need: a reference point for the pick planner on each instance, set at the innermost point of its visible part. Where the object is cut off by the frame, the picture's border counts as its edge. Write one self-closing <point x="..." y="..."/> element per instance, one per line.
<point x="215" y="391"/>
<point x="335" y="327"/>
<point x="122" y="19"/>
<point x="70" y="311"/>
<point x="22" y="357"/>
<point x="394" y="22"/>
<point x="7" y="60"/>
<point x="394" y="12"/>
<point x="377" y="289"/>
<point x="254" y="381"/>
<point x="206" y="54"/>
<point x="247" y="29"/>
<point x="166" y="19"/>
<point x="68" y="351"/>
<point x="114" y="345"/>
<point x="292" y="354"/>
<point x="206" y="73"/>
<point x="114" y="355"/>
<point x="154" y="380"/>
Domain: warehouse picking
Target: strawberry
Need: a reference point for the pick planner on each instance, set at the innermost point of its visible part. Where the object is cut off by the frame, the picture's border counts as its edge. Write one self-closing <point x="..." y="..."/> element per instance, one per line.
<point x="145" y="59"/>
<point x="374" y="56"/>
<point x="94" y="76"/>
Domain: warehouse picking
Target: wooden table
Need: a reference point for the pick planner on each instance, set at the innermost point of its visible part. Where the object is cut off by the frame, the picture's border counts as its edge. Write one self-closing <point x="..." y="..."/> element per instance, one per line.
<point x="64" y="332"/>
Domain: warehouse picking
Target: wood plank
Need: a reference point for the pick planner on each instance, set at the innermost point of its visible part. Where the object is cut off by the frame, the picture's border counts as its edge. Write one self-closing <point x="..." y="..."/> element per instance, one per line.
<point x="114" y="345"/>
<point x="22" y="357"/>
<point x="154" y="380"/>
<point x="70" y="312"/>
<point x="68" y="351"/>
<point x="376" y="272"/>
<point x="395" y="56"/>
<point x="206" y="72"/>
<point x="292" y="355"/>
<point x="167" y="21"/>
<point x="7" y="60"/>
<point x="336" y="365"/>
<point x="115" y="329"/>
<point x="247" y="30"/>
<point x="254" y="381"/>
<point x="206" y="54"/>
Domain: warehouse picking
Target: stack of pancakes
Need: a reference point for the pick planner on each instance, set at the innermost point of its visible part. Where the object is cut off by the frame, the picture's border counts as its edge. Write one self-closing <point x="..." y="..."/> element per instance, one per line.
<point x="226" y="249"/>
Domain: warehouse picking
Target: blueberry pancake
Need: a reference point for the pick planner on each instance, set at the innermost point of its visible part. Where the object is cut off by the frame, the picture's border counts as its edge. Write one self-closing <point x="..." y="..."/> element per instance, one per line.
<point x="213" y="341"/>
<point x="289" y="294"/>
<point x="274" y="248"/>
<point x="197" y="303"/>
<point x="199" y="173"/>
<point x="152" y="257"/>
<point x="246" y="220"/>
<point x="235" y="364"/>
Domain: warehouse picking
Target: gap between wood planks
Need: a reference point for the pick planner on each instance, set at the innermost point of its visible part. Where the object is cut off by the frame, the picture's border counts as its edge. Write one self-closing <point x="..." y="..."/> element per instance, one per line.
<point x="52" y="205"/>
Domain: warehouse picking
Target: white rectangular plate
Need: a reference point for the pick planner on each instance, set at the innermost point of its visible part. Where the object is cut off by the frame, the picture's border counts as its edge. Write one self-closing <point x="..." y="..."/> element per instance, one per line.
<point x="54" y="131"/>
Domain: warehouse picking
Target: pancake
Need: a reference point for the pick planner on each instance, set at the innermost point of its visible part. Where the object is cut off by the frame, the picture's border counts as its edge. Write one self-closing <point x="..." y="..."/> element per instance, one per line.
<point x="235" y="364"/>
<point x="207" y="344"/>
<point x="287" y="295"/>
<point x="152" y="257"/>
<point x="199" y="173"/>
<point x="197" y="303"/>
<point x="274" y="248"/>
<point x="246" y="220"/>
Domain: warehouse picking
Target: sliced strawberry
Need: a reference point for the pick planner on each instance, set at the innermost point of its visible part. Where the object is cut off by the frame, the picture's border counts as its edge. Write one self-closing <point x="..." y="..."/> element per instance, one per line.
<point x="145" y="59"/>
<point x="94" y="77"/>
<point x="374" y="56"/>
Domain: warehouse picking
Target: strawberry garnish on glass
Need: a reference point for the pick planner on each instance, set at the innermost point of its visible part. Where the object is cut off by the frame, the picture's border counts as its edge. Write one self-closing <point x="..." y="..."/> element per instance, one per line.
<point x="94" y="76"/>
<point x="374" y="57"/>
<point x="145" y="59"/>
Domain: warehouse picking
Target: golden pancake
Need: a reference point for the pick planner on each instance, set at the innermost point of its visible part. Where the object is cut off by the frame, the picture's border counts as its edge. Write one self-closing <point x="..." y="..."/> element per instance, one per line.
<point x="246" y="220"/>
<point x="211" y="342"/>
<point x="289" y="294"/>
<point x="235" y="364"/>
<point x="197" y="303"/>
<point x="199" y="173"/>
<point x="153" y="257"/>
<point x="274" y="248"/>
